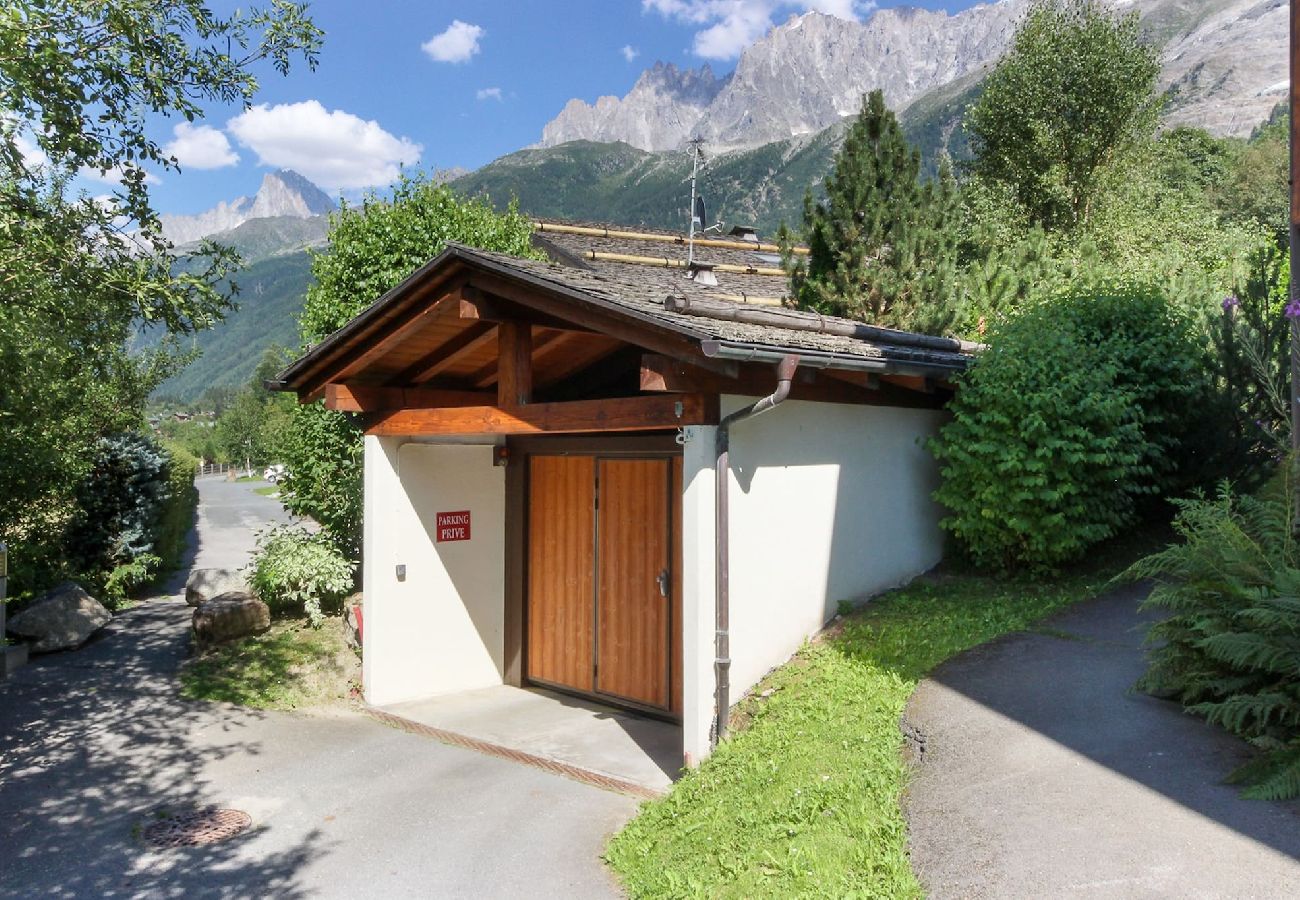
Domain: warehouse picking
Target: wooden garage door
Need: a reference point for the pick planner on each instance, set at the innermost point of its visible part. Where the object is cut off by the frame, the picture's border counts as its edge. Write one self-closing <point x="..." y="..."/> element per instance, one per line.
<point x="604" y="602"/>
<point x="634" y="585"/>
<point x="561" y="568"/>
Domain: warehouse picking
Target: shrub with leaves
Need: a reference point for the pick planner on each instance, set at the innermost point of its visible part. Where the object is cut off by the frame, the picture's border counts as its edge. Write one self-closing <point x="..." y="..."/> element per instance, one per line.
<point x="1230" y="651"/>
<point x="1081" y="406"/>
<point x="296" y="572"/>
<point x="119" y="504"/>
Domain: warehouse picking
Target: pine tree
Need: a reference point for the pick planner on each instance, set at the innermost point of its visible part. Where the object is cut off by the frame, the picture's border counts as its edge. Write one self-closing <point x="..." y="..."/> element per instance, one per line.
<point x="883" y="243"/>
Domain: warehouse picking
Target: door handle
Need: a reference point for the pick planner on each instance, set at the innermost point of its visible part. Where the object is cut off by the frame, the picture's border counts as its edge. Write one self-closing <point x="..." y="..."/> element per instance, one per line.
<point x="663" y="583"/>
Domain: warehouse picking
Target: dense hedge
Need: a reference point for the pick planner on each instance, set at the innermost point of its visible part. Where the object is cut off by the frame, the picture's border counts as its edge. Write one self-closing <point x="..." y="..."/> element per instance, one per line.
<point x="1082" y="405"/>
<point x="178" y="510"/>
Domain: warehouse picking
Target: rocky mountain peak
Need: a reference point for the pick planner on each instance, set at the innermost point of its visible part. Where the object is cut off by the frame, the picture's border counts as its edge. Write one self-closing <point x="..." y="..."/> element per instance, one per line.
<point x="282" y="194"/>
<point x="1221" y="60"/>
<point x="657" y="114"/>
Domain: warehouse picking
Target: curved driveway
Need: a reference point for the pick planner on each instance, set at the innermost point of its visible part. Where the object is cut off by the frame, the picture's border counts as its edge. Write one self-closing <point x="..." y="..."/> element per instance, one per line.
<point x="1044" y="775"/>
<point x="94" y="744"/>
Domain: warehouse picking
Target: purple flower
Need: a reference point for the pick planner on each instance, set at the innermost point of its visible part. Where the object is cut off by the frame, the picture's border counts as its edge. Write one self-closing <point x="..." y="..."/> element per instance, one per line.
<point x="1292" y="310"/>
<point x="1230" y="302"/>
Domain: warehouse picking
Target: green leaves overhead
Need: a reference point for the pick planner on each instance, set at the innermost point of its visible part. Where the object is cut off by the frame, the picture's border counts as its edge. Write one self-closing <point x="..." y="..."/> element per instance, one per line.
<point x="1075" y="92"/>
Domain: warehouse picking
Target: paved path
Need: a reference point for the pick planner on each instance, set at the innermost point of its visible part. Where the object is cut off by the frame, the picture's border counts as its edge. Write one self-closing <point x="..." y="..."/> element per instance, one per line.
<point x="94" y="743"/>
<point x="1043" y="775"/>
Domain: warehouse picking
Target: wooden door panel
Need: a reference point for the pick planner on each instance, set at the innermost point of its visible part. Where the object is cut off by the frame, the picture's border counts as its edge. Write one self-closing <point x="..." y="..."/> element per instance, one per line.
<point x="561" y="567"/>
<point x="632" y="614"/>
<point x="675" y="536"/>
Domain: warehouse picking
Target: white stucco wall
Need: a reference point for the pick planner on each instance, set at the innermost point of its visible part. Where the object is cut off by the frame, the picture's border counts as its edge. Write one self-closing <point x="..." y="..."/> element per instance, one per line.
<point x="829" y="502"/>
<point x="441" y="629"/>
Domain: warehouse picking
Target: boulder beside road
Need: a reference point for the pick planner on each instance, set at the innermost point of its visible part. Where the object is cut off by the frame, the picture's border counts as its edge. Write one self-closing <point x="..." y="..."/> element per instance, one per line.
<point x="231" y="615"/>
<point x="205" y="584"/>
<point x="60" y="619"/>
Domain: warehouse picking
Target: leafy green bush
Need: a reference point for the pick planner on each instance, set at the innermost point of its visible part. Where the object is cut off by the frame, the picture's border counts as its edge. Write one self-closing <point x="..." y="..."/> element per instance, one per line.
<point x="297" y="572"/>
<point x="1231" y="649"/>
<point x="1082" y="405"/>
<point x="177" y="514"/>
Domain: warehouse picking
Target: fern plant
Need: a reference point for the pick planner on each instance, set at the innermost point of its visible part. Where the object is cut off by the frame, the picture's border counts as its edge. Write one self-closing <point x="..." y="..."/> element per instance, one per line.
<point x="1230" y="650"/>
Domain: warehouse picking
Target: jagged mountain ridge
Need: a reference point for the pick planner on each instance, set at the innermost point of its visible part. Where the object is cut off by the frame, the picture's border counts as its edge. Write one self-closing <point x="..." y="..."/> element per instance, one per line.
<point x="282" y="194"/>
<point x="1224" y="66"/>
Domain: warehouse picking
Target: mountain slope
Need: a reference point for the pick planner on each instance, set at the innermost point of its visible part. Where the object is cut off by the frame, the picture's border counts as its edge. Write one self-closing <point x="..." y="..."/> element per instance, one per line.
<point x="762" y="186"/>
<point x="271" y="297"/>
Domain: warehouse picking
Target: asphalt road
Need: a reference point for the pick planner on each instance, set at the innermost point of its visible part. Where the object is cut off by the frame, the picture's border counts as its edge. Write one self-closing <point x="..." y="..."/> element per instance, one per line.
<point x="1044" y="775"/>
<point x="95" y="745"/>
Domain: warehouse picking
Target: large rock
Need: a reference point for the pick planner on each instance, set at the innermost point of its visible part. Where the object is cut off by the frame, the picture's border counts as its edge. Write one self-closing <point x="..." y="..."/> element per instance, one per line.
<point x="229" y="616"/>
<point x="60" y="619"/>
<point x="204" y="584"/>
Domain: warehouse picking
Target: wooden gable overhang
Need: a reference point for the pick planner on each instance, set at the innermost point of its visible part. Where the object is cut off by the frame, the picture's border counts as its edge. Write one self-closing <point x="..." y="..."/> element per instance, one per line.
<point x="471" y="345"/>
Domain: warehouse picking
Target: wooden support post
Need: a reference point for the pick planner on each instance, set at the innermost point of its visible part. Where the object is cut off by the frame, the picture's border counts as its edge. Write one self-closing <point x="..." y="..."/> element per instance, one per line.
<point x="515" y="364"/>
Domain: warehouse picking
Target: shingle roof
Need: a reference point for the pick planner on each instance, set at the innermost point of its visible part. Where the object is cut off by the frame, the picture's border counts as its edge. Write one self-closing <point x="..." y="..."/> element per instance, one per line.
<point x="642" y="290"/>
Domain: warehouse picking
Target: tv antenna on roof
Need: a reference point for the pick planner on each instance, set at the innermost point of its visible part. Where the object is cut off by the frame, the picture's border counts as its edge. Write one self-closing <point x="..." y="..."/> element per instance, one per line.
<point x="698" y="211"/>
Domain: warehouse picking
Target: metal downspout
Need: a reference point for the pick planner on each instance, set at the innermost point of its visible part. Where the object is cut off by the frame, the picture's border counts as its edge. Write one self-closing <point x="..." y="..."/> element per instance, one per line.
<point x="785" y="370"/>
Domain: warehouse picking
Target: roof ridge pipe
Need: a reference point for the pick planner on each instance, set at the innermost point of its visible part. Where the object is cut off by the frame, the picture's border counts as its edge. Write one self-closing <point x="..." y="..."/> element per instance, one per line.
<point x="785" y="370"/>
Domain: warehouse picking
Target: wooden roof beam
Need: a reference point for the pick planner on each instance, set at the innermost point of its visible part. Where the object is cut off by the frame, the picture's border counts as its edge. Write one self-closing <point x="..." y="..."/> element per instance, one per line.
<point x="483" y="306"/>
<point x="613" y="415"/>
<point x="441" y="358"/>
<point x="377" y="398"/>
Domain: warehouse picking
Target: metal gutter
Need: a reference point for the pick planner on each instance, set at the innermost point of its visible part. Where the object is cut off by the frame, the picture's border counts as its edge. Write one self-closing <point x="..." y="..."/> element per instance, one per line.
<point x="785" y="370"/>
<point x="907" y="362"/>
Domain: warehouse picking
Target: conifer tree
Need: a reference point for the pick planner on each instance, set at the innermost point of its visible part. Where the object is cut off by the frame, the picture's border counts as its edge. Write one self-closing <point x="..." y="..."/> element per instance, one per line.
<point x="882" y="243"/>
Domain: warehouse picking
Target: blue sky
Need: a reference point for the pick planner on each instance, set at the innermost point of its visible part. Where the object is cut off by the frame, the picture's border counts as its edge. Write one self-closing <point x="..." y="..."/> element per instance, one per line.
<point x="451" y="83"/>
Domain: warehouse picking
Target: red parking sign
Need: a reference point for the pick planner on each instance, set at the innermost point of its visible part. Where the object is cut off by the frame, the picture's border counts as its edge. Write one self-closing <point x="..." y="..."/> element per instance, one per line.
<point x="453" y="526"/>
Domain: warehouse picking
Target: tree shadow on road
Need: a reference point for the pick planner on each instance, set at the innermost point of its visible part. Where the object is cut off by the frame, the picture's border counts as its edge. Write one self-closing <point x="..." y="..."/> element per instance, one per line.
<point x="96" y="744"/>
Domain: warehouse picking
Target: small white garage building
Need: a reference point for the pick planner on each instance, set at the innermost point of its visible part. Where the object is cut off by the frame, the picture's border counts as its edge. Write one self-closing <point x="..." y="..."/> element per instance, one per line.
<point x="541" y="495"/>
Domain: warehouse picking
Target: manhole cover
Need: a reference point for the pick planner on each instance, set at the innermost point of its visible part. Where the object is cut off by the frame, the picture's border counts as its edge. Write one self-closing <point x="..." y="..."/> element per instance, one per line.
<point x="193" y="829"/>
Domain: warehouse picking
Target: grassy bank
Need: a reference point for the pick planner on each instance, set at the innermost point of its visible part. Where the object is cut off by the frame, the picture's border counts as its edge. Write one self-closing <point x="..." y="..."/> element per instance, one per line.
<point x="291" y="666"/>
<point x="803" y="800"/>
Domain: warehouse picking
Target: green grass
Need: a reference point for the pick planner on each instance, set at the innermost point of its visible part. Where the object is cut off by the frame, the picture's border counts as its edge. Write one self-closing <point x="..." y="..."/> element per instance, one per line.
<point x="291" y="666"/>
<point x="803" y="800"/>
<point x="271" y="490"/>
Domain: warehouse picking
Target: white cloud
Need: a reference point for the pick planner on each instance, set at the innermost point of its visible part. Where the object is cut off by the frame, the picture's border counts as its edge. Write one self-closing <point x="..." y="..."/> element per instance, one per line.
<point x="455" y="45"/>
<point x="333" y="148"/>
<point x="200" y="147"/>
<point x="492" y="93"/>
<point x="629" y="52"/>
<point x="727" y="27"/>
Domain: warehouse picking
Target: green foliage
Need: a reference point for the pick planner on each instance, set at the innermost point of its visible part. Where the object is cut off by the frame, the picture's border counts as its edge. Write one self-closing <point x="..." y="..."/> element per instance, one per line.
<point x="176" y="518"/>
<point x="119" y="504"/>
<point x="372" y="249"/>
<point x="1230" y="650"/>
<point x="881" y="245"/>
<point x="297" y="572"/>
<point x="323" y="452"/>
<point x="88" y="76"/>
<point x="251" y="429"/>
<point x="82" y="84"/>
<point x="803" y="800"/>
<point x="1082" y="405"/>
<point x="1074" y="94"/>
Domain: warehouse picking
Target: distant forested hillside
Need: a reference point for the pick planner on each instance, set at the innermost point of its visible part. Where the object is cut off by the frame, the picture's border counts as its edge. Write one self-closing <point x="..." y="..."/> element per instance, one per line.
<point x="270" y="298"/>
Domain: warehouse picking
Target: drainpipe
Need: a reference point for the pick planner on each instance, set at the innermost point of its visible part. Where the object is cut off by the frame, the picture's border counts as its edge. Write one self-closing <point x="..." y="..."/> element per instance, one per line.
<point x="722" y="663"/>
